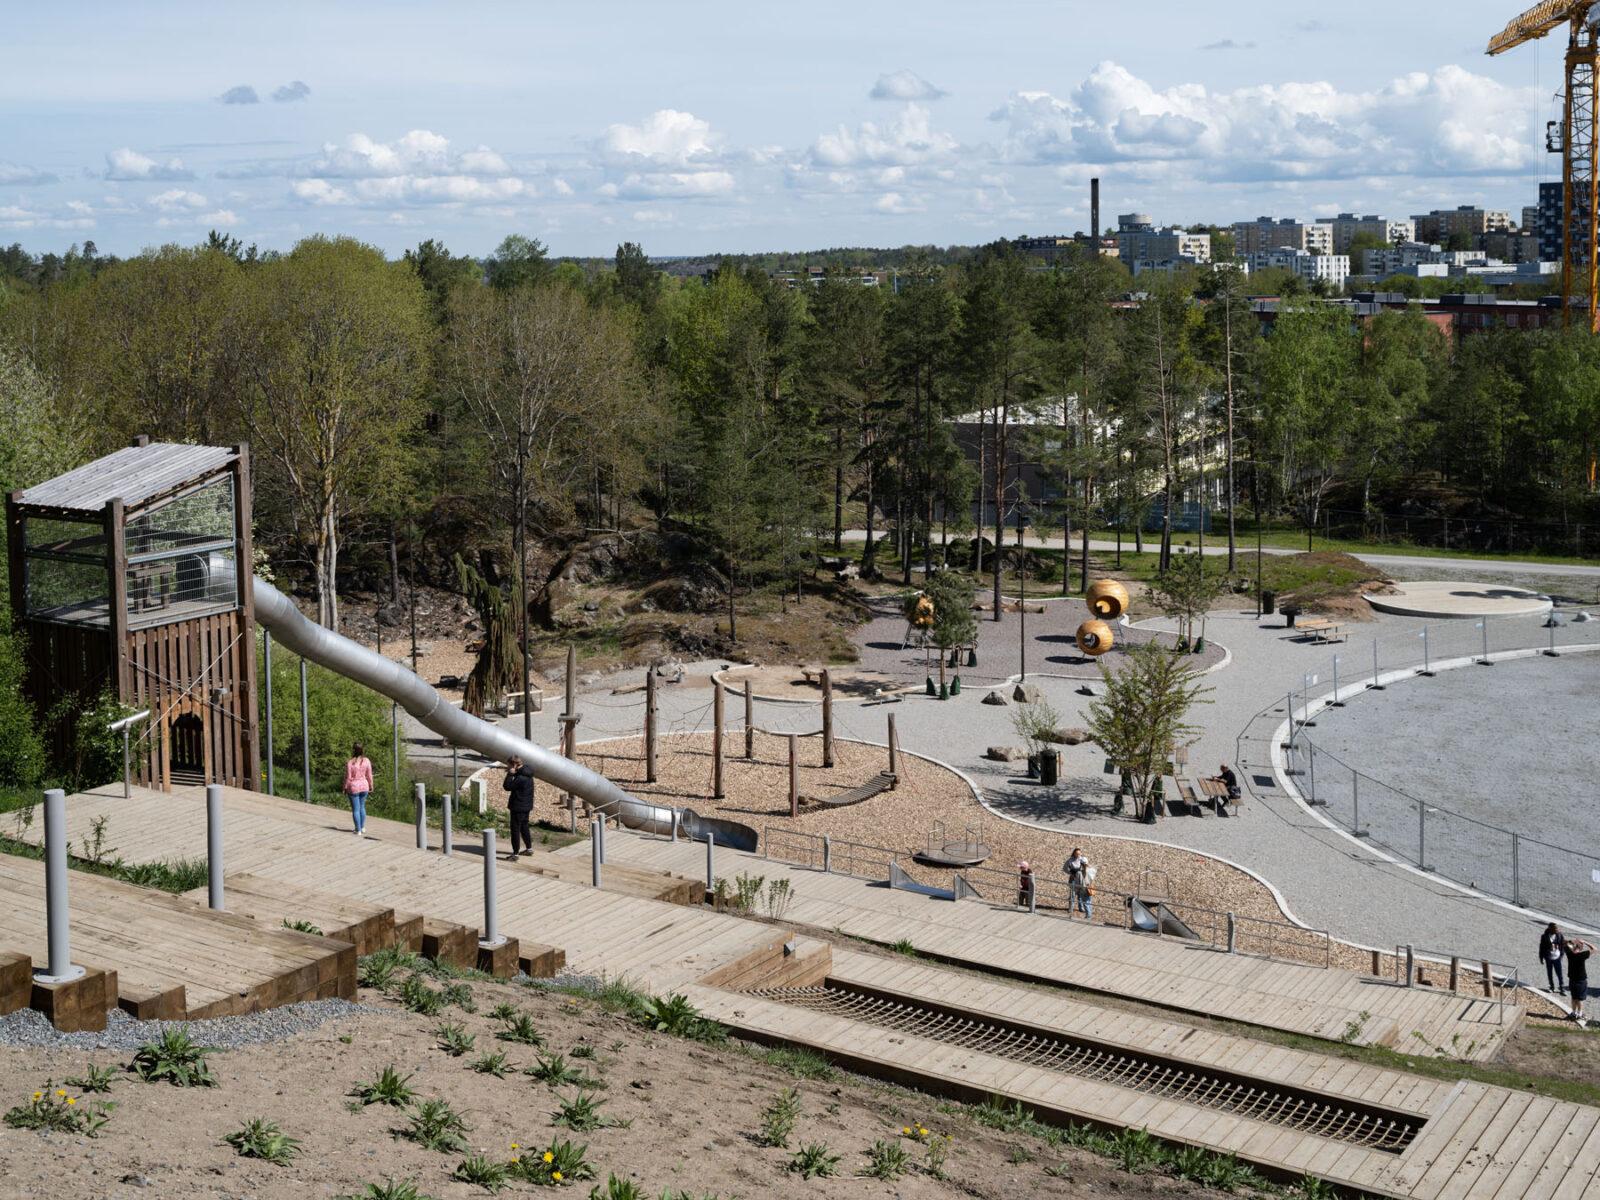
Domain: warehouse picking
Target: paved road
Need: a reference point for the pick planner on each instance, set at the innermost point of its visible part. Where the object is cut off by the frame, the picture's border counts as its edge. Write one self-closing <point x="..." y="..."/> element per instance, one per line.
<point x="1389" y="562"/>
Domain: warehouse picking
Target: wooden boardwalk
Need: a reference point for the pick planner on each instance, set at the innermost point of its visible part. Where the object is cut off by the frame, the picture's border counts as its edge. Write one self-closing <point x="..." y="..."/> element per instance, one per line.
<point x="1475" y="1142"/>
<point x="1334" y="1005"/>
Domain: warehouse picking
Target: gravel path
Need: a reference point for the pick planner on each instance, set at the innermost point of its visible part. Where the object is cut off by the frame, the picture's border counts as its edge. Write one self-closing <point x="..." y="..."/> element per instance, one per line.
<point x="26" y="1027"/>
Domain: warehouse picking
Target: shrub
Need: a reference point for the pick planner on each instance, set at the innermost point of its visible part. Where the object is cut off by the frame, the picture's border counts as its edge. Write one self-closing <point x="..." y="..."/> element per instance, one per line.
<point x="416" y="995"/>
<point x="378" y="969"/>
<point x="486" y="1173"/>
<point x="52" y="1110"/>
<point x="264" y="1140"/>
<point x="390" y="1087"/>
<point x="779" y="1117"/>
<point x="558" y="1164"/>
<point x="886" y="1160"/>
<point x="342" y="712"/>
<point x="436" y="1126"/>
<point x="22" y="759"/>
<point x="173" y="1058"/>
<point x="814" y="1161"/>
<point x="677" y="1016"/>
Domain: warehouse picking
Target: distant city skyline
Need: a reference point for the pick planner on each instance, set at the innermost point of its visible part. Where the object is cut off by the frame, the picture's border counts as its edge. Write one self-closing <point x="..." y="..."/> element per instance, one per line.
<point x="711" y="126"/>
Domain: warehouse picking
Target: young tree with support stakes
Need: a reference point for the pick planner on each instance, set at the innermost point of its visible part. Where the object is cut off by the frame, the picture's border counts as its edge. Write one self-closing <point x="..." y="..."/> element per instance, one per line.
<point x="1184" y="592"/>
<point x="953" y="623"/>
<point x="1140" y="719"/>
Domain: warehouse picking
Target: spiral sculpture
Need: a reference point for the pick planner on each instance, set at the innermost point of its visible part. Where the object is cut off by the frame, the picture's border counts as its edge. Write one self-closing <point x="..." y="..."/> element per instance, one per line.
<point x="1095" y="638"/>
<point x="1107" y="599"/>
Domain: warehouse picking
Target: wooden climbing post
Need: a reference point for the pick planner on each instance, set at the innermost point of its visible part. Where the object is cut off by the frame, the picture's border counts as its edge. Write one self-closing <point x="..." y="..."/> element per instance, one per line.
<point x="572" y="681"/>
<point x="1455" y="972"/>
<point x="1488" y="979"/>
<point x="1377" y="965"/>
<point x="749" y="723"/>
<point x="894" y="754"/>
<point x="650" y="725"/>
<point x="794" y="776"/>
<point x="716" y="740"/>
<point x="827" y="718"/>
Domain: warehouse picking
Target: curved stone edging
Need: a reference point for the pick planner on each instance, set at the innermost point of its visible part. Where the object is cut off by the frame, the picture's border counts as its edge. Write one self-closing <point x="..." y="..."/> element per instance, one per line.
<point x="1286" y="782"/>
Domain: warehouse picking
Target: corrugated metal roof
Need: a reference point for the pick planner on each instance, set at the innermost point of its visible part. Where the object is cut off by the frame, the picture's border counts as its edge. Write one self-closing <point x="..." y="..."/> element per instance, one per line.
<point x="135" y="473"/>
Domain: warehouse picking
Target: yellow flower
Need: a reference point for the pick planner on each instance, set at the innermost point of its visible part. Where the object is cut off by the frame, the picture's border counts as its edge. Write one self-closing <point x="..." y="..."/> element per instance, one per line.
<point x="548" y="1157"/>
<point x="38" y="1095"/>
<point x="922" y="1131"/>
<point x="515" y="1160"/>
<point x="556" y="1175"/>
<point x="514" y="1146"/>
<point x="60" y="1092"/>
<point x="906" y="1130"/>
<point x="72" y="1100"/>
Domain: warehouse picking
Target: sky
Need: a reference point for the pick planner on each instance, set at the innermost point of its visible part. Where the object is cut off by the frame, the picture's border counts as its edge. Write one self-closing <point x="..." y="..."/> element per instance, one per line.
<point x="704" y="125"/>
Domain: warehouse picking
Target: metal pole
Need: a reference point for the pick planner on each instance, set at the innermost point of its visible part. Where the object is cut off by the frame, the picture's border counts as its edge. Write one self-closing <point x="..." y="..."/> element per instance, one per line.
<point x="594" y="852"/>
<point x="827" y="718"/>
<point x="711" y="861"/>
<point x="1411" y="962"/>
<point x="1355" y="805"/>
<point x="674" y="826"/>
<point x="827" y="854"/>
<point x="1427" y="666"/>
<point x="127" y="781"/>
<point x="214" y="846"/>
<point x="1336" y="702"/>
<point x="394" y="750"/>
<point x="1516" y="868"/>
<point x="455" y="773"/>
<point x="1233" y="935"/>
<point x="1552" y="652"/>
<point x="305" y="733"/>
<point x="1033" y="897"/>
<point x="894" y="764"/>
<point x="1484" y="625"/>
<point x="1376" y="686"/>
<point x="1289" y="699"/>
<point x="602" y="826"/>
<point x="1022" y="603"/>
<point x="749" y="722"/>
<point x="447" y="833"/>
<point x="59" y="968"/>
<point x="650" y="725"/>
<point x="1305" y="709"/>
<point x="266" y="648"/>
<point x="1311" y="778"/>
<point x="422" y="816"/>
<point x="1422" y="835"/>
<point x="716" y="740"/>
<point x="794" y="776"/>
<point x="491" y="902"/>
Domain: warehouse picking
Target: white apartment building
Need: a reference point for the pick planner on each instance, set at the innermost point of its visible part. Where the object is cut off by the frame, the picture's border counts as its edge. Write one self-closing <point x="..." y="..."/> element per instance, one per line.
<point x="1145" y="243"/>
<point x="1332" y="269"/>
<point x="1396" y="259"/>
<point x="1345" y="226"/>
<point x="1265" y="234"/>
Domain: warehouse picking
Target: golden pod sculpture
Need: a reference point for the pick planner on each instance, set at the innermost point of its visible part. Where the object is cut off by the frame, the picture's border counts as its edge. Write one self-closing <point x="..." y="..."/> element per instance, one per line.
<point x="1107" y="599"/>
<point x="1095" y="638"/>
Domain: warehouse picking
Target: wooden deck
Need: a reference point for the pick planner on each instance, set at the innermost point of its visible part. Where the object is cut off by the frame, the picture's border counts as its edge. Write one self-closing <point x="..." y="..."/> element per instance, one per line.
<point x="1331" y="1004"/>
<point x="1476" y="1143"/>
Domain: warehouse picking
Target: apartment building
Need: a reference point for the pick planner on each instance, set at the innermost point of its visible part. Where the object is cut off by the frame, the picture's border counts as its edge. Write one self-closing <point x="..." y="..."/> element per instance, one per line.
<point x="1344" y="228"/>
<point x="1442" y="224"/>
<point x="1265" y="234"/>
<point x="1549" y="221"/>
<point x="1331" y="269"/>
<point x="1139" y="240"/>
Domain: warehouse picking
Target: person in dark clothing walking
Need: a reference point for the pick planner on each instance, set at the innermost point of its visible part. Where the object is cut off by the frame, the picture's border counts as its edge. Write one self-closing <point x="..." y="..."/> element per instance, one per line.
<point x="519" y="801"/>
<point x="1578" y="976"/>
<point x="1552" y="953"/>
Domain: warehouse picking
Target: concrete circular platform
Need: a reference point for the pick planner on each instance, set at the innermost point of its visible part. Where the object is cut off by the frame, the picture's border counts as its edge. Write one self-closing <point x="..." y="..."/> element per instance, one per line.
<point x="1459" y="601"/>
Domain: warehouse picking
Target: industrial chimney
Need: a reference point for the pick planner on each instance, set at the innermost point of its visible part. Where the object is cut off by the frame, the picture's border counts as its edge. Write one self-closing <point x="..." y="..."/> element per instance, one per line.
<point x="1094" y="213"/>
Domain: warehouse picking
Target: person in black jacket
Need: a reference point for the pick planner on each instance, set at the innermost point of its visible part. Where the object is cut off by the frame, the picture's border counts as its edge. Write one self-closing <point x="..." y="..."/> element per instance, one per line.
<point x="519" y="800"/>
<point x="1552" y="953"/>
<point x="1578" y="952"/>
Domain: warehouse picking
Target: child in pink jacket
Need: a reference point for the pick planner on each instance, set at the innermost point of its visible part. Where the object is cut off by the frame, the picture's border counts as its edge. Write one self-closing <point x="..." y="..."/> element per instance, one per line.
<point x="358" y="784"/>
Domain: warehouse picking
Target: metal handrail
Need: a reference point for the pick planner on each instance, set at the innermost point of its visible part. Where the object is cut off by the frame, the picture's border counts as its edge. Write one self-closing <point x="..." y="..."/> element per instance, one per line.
<point x="1498" y="977"/>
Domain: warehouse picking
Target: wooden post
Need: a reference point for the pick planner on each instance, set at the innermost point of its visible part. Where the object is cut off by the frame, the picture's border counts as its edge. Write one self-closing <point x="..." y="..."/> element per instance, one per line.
<point x="894" y="753"/>
<point x="827" y="718"/>
<point x="794" y="776"/>
<point x="749" y="723"/>
<point x="1488" y="979"/>
<point x="1377" y="963"/>
<point x="245" y="702"/>
<point x="716" y="740"/>
<point x="572" y="682"/>
<point x="1455" y="971"/>
<point x="650" y="725"/>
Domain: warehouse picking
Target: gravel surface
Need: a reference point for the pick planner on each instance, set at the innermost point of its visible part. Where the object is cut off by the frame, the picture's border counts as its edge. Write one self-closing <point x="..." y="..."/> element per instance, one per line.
<point x="27" y="1027"/>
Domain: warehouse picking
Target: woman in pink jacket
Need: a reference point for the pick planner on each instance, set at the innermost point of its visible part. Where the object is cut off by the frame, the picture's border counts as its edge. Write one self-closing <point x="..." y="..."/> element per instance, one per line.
<point x="358" y="784"/>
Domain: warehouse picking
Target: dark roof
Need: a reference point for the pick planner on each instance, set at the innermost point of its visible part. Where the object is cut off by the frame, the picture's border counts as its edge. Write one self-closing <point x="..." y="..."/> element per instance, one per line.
<point x="135" y="474"/>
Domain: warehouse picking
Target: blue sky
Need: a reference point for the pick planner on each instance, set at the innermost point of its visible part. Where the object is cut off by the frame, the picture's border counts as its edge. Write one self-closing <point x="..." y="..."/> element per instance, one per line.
<point x="703" y="125"/>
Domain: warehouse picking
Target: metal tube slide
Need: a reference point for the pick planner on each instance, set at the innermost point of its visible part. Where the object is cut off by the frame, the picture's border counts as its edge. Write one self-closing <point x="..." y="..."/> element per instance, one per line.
<point x="339" y="654"/>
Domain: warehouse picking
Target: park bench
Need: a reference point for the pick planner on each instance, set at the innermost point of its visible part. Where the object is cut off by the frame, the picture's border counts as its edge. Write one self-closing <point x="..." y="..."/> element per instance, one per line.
<point x="1186" y="798"/>
<point x="1320" y="629"/>
<point x="1217" y="792"/>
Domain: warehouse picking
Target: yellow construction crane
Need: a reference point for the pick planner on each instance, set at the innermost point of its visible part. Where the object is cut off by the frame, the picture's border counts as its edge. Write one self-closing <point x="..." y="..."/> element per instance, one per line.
<point x="1574" y="138"/>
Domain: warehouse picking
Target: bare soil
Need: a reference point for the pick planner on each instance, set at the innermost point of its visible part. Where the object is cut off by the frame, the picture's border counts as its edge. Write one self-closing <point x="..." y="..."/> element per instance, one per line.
<point x="693" y="1113"/>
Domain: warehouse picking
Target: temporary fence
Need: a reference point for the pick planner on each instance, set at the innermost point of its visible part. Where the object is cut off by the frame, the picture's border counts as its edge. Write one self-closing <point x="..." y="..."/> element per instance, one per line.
<point x="1424" y="831"/>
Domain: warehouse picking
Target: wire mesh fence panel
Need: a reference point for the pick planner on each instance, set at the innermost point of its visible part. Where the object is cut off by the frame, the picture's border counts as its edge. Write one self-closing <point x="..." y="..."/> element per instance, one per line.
<point x="1558" y="880"/>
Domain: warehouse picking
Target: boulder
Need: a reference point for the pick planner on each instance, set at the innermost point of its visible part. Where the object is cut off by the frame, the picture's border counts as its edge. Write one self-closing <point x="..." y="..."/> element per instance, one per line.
<point x="1005" y="753"/>
<point x="994" y="698"/>
<point x="1027" y="693"/>
<point x="1069" y="737"/>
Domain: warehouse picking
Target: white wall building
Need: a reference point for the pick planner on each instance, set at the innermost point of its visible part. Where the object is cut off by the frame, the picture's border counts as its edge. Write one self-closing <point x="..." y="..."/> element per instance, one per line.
<point x="1265" y="234"/>
<point x="1146" y="243"/>
<point x="1344" y="227"/>
<point x="1332" y="269"/>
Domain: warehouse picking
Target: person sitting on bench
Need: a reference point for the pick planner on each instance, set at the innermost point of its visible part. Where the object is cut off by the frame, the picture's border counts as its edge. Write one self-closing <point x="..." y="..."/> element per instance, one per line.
<point x="1229" y="780"/>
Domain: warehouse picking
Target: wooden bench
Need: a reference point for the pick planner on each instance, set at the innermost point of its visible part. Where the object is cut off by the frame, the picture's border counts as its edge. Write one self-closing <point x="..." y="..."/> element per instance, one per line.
<point x="1217" y="792"/>
<point x="1186" y="798"/>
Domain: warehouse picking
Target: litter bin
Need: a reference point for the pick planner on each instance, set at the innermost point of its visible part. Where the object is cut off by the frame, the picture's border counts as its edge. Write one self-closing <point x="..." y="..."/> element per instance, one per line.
<point x="1290" y="612"/>
<point x="1049" y="767"/>
<point x="1269" y="603"/>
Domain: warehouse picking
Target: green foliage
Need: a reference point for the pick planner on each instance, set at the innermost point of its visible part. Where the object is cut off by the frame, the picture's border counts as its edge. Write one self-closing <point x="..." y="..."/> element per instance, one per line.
<point x="584" y="1051"/>
<point x="581" y="1113"/>
<point x="390" y="1189"/>
<point x="555" y="1071"/>
<point x="434" y="1125"/>
<point x="484" y="1172"/>
<point x="492" y="1064"/>
<point x="378" y="969"/>
<point x="779" y="1117"/>
<point x="1036" y="724"/>
<point x="954" y="623"/>
<point x="171" y="875"/>
<point x="904" y="946"/>
<point x="51" y="1110"/>
<point x="502" y="1012"/>
<point x="1141" y="717"/>
<point x="174" y="1058"/>
<point x="22" y="761"/>
<point x="94" y="1079"/>
<point x="390" y="1087"/>
<point x="454" y="1040"/>
<point x="676" y="1015"/>
<point x="417" y="996"/>
<point x="302" y="926"/>
<point x="814" y="1161"/>
<point x="886" y="1160"/>
<point x="617" y="1189"/>
<point x="342" y="713"/>
<point x="799" y="1061"/>
<point x="558" y="1164"/>
<point x="1184" y="591"/>
<point x="521" y="1030"/>
<point x="264" y="1140"/>
<point x="1137" y="1150"/>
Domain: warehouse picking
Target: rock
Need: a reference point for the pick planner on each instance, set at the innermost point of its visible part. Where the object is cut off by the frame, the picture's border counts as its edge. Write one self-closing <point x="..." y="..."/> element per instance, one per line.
<point x="1005" y="753"/>
<point x="1069" y="737"/>
<point x="1027" y="693"/>
<point x="670" y="669"/>
<point x="591" y="606"/>
<point x="589" y="679"/>
<point x="393" y="615"/>
<point x="451" y="681"/>
<point x="994" y="698"/>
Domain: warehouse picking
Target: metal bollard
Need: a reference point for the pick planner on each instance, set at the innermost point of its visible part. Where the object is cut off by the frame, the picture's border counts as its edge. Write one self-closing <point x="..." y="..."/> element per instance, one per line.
<point x="1516" y="868"/>
<point x="1233" y="934"/>
<point x="594" y="851"/>
<point x="711" y="861"/>
<point x="422" y="816"/>
<point x="1336" y="702"/>
<point x="827" y="854"/>
<point x="674" y="826"/>
<point x="1033" y="898"/>
<point x="491" y="903"/>
<point x="1411" y="961"/>
<point x="601" y="840"/>
<point x="59" y="968"/>
<point x="1375" y="685"/>
<point x="214" y="846"/>
<point x="447" y="833"/>
<point x="1355" y="805"/>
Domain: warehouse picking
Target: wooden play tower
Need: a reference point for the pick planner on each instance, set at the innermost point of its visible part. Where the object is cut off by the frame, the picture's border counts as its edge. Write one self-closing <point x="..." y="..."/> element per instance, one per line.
<point x="131" y="574"/>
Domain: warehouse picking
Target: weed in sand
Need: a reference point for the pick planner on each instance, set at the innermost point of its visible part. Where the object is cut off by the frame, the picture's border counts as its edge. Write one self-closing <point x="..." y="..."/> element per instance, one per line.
<point x="173" y="1058"/>
<point x="484" y="1172"/>
<point x="554" y="1070"/>
<point x="886" y="1160"/>
<point x="454" y="1040"/>
<point x="582" y="1113"/>
<point x="675" y="1015"/>
<point x="617" y="1189"/>
<point x="521" y="1030"/>
<point x="814" y="1161"/>
<point x="904" y="946"/>
<point x="264" y="1140"/>
<point x="778" y="1119"/>
<point x="417" y="996"/>
<point x="436" y="1126"/>
<point x="558" y="1163"/>
<point x="584" y="1050"/>
<point x="798" y="1061"/>
<point x="502" y="1012"/>
<point x="94" y="1079"/>
<point x="51" y="1110"/>
<point x="390" y="1189"/>
<point x="493" y="1064"/>
<point x="390" y="1087"/>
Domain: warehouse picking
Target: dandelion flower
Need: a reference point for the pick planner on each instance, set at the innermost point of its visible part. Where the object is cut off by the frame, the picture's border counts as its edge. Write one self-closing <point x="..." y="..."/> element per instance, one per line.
<point x="60" y="1092"/>
<point x="72" y="1099"/>
<point x="38" y="1095"/>
<point x="515" y="1160"/>
<point x="548" y="1157"/>
<point x="906" y="1129"/>
<point x="556" y="1175"/>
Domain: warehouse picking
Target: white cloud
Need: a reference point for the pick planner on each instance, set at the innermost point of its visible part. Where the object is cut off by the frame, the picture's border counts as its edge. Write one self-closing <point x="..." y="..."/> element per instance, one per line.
<point x="410" y="189"/>
<point x="18" y="175"/>
<point x="1228" y="44"/>
<point x="666" y="136"/>
<point x="243" y="94"/>
<point x="421" y="152"/>
<point x="290" y="92"/>
<point x="222" y="218"/>
<point x="895" y="204"/>
<point x="177" y="200"/>
<point x="561" y="187"/>
<point x="681" y="185"/>
<point x="320" y="192"/>
<point x="653" y="216"/>
<point x="905" y="85"/>
<point x="130" y="165"/>
<point x="1447" y="122"/>
<point x="16" y="216"/>
<point x="907" y="140"/>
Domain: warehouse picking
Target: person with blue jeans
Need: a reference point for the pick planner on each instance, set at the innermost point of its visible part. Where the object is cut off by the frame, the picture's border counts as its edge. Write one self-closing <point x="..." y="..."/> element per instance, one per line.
<point x="1552" y="953"/>
<point x="1078" y="878"/>
<point x="358" y="785"/>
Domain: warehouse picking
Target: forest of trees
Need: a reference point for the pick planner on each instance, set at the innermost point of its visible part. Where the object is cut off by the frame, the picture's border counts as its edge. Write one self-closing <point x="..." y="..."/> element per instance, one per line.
<point x="480" y="406"/>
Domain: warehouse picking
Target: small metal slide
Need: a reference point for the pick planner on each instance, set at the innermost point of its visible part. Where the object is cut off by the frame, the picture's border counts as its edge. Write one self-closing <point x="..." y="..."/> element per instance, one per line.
<point x="339" y="654"/>
<point x="1162" y="920"/>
